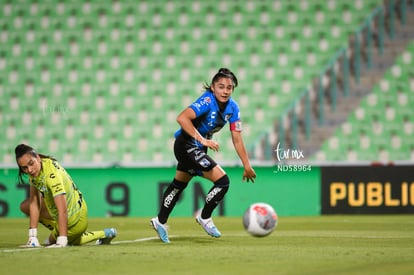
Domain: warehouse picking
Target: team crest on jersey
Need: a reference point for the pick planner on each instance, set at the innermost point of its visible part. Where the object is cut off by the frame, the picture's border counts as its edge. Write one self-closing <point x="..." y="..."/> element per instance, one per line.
<point x="207" y="100"/>
<point x="227" y="117"/>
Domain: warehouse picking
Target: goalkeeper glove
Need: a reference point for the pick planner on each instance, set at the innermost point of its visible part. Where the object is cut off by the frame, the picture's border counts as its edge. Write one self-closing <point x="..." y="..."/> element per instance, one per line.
<point x="33" y="241"/>
<point x="62" y="241"/>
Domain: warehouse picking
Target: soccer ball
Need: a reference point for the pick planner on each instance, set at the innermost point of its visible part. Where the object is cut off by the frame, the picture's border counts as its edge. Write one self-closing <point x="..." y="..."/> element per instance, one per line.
<point x="260" y="219"/>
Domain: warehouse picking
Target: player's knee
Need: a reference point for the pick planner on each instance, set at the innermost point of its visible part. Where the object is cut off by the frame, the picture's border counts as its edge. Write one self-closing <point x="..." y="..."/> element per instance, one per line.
<point x="24" y="207"/>
<point x="219" y="190"/>
<point x="179" y="184"/>
<point x="222" y="182"/>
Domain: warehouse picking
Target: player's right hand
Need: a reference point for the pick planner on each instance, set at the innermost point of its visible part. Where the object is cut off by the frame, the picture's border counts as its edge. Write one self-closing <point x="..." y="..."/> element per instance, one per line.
<point x="213" y="145"/>
<point x="32" y="242"/>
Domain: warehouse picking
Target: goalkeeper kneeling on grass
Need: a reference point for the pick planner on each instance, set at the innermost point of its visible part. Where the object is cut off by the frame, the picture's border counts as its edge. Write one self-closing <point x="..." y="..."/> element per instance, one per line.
<point x="56" y="202"/>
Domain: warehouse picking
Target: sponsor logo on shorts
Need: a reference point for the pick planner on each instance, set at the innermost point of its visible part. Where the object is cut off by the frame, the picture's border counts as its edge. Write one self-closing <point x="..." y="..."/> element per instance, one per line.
<point x="204" y="162"/>
<point x="198" y="155"/>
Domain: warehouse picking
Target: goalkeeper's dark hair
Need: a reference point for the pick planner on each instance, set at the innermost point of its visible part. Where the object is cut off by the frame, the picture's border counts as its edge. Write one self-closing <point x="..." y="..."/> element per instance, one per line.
<point x="20" y="151"/>
<point x="222" y="72"/>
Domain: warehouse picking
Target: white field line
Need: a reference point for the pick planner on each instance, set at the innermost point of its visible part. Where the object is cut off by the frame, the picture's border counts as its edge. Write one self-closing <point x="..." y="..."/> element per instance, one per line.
<point x="23" y="249"/>
<point x="139" y="240"/>
<point x="118" y="242"/>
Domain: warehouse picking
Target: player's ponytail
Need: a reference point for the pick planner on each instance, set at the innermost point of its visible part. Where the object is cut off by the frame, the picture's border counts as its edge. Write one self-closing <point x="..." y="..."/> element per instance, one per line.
<point x="222" y="72"/>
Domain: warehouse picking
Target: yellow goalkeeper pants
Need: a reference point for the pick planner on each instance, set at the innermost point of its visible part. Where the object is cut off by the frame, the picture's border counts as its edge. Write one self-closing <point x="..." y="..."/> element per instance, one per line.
<point x="77" y="234"/>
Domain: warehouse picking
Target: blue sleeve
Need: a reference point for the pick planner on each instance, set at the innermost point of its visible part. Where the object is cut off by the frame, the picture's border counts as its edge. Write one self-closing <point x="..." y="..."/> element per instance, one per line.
<point x="203" y="104"/>
<point x="236" y="113"/>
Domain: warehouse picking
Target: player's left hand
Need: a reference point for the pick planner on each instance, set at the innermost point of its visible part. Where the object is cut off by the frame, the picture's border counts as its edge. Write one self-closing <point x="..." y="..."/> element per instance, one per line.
<point x="62" y="241"/>
<point x="249" y="174"/>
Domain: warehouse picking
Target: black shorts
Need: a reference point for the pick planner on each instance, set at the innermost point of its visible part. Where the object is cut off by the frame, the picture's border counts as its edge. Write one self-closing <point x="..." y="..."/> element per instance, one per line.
<point x="191" y="158"/>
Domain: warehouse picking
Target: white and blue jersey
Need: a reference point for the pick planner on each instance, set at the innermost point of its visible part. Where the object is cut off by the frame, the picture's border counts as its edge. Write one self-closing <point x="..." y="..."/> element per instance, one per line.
<point x="210" y="118"/>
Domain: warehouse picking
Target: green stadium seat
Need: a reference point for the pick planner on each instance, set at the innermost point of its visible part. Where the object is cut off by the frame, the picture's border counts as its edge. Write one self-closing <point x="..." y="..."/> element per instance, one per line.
<point x="384" y="117"/>
<point x="54" y="69"/>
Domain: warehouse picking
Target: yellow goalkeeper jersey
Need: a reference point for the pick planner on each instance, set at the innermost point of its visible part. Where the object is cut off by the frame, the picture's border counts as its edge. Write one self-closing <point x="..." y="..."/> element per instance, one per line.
<point x="52" y="181"/>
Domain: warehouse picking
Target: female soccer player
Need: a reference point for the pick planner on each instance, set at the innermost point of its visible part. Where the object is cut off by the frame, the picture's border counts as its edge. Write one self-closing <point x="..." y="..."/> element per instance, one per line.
<point x="204" y="117"/>
<point x="55" y="201"/>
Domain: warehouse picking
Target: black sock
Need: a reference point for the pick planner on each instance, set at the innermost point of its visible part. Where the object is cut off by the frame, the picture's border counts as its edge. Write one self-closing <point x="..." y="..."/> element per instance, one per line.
<point x="214" y="196"/>
<point x="169" y="199"/>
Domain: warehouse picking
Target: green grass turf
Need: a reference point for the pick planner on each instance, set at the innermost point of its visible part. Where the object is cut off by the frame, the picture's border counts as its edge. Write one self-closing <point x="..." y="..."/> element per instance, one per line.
<point x="299" y="245"/>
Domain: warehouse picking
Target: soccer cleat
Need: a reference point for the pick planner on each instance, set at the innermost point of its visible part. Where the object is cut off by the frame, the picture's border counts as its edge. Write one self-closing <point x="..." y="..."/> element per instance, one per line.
<point x="209" y="226"/>
<point x="161" y="230"/>
<point x="110" y="233"/>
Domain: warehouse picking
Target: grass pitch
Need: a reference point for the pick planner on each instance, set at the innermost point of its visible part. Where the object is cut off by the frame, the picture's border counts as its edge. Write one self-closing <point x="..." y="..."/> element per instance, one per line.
<point x="299" y="245"/>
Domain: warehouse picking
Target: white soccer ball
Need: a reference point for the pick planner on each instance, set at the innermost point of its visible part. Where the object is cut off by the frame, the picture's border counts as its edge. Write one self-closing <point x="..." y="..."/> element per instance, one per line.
<point x="260" y="219"/>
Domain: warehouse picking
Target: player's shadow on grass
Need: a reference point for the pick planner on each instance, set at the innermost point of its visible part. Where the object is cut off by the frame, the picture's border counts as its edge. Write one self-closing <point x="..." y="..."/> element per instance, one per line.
<point x="195" y="239"/>
<point x="191" y="239"/>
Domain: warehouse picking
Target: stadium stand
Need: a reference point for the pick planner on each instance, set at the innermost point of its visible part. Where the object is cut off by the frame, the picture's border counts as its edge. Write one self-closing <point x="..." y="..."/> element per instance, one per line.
<point x="381" y="128"/>
<point x="102" y="81"/>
